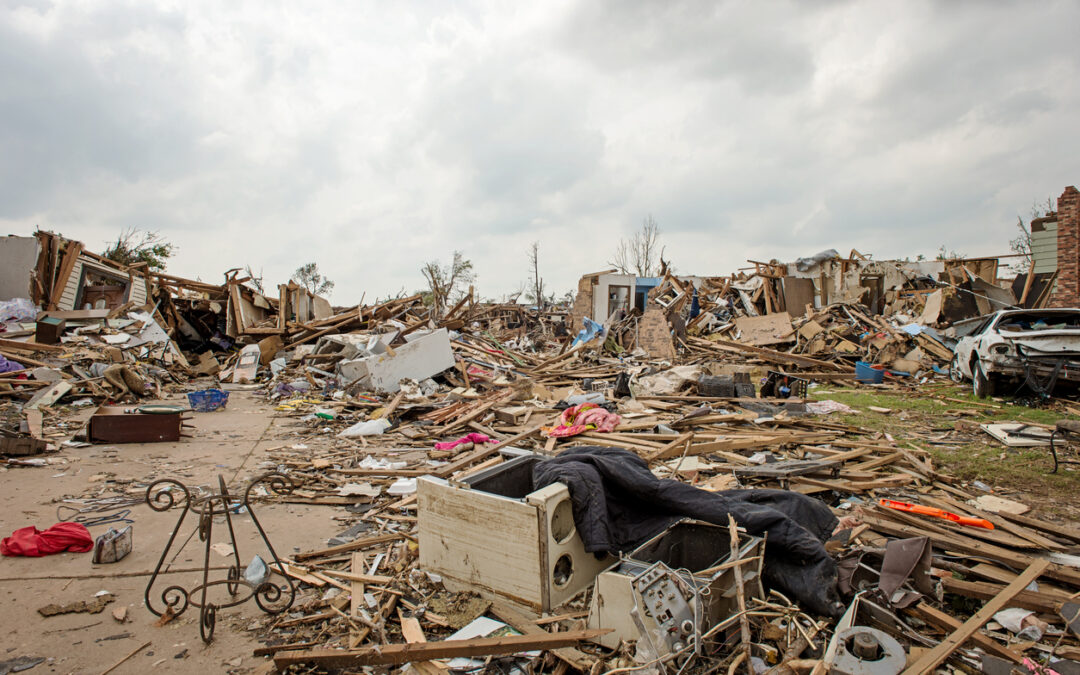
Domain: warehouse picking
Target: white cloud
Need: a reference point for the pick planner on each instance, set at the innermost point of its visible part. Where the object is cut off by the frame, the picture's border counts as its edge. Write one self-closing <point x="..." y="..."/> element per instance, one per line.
<point x="371" y="137"/>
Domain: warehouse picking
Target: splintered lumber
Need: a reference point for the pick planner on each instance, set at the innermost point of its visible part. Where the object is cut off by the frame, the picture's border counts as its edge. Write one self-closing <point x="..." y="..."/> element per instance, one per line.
<point x="357" y="577"/>
<point x="413" y="633"/>
<point x="396" y="654"/>
<point x="957" y="542"/>
<point x="753" y="441"/>
<point x="483" y="452"/>
<point x="936" y="656"/>
<point x="478" y="411"/>
<point x="351" y="546"/>
<point x="946" y="622"/>
<point x="30" y="346"/>
<point x="674" y="448"/>
<point x="740" y="594"/>
<point x="1045" y="526"/>
<point x="770" y="355"/>
<point x="1034" y="600"/>
<point x="513" y="617"/>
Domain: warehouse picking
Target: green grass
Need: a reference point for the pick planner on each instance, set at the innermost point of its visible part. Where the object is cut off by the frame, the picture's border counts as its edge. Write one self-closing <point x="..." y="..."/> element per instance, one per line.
<point x="974" y="455"/>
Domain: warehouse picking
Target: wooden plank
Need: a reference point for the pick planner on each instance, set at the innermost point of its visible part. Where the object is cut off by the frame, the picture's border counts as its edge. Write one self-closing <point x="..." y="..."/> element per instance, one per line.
<point x="1033" y="600"/>
<point x="72" y="252"/>
<point x="395" y="654"/>
<point x="509" y="614"/>
<point x="1045" y="526"/>
<point x="767" y="354"/>
<point x="30" y="346"/>
<point x="673" y="449"/>
<point x="956" y="542"/>
<point x="413" y="634"/>
<point x="936" y="656"/>
<point x="947" y="622"/>
<point x="355" y="577"/>
<point x="351" y="546"/>
<point x="356" y="593"/>
<point x="483" y="453"/>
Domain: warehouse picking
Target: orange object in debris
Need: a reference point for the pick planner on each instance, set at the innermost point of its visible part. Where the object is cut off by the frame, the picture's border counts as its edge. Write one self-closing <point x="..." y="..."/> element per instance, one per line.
<point x="936" y="513"/>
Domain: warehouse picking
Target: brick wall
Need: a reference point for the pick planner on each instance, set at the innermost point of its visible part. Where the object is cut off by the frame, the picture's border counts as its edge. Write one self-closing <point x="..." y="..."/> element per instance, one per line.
<point x="654" y="335"/>
<point x="1067" y="291"/>
<point x="583" y="304"/>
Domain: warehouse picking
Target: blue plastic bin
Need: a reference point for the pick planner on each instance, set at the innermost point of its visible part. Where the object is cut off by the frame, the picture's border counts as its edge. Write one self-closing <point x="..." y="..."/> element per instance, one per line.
<point x="207" y="400"/>
<point x="868" y="374"/>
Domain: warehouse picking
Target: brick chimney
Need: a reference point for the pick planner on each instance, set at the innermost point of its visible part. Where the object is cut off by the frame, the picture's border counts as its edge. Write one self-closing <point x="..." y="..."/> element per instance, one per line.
<point x="1067" y="291"/>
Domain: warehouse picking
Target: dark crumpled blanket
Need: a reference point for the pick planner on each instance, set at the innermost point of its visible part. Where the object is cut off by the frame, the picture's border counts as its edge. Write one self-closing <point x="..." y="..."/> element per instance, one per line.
<point x="619" y="504"/>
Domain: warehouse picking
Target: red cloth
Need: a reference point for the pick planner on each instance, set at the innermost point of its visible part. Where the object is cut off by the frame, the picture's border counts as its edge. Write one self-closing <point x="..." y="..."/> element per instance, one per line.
<point x="29" y="541"/>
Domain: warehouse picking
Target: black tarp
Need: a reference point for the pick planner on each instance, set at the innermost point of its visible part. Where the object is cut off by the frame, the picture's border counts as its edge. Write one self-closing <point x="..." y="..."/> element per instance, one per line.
<point x="618" y="504"/>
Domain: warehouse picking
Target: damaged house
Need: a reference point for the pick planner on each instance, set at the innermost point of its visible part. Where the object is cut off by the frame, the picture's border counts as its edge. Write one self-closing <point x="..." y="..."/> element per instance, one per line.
<point x="59" y="274"/>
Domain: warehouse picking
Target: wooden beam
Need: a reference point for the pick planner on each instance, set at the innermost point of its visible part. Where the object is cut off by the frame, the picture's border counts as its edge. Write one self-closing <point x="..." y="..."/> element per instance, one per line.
<point x="73" y="250"/>
<point x="482" y="453"/>
<point x="395" y="654"/>
<point x="351" y="546"/>
<point x="947" y="622"/>
<point x="30" y="346"/>
<point x="673" y="449"/>
<point x="936" y="656"/>
<point x="510" y="615"/>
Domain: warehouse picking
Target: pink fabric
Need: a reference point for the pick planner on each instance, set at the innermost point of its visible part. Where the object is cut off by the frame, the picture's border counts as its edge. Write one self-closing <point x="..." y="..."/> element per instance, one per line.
<point x="29" y="541"/>
<point x="582" y="418"/>
<point x="474" y="438"/>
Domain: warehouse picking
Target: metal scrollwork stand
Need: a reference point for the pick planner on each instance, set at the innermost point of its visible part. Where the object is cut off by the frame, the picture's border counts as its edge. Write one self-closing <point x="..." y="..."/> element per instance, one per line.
<point x="271" y="598"/>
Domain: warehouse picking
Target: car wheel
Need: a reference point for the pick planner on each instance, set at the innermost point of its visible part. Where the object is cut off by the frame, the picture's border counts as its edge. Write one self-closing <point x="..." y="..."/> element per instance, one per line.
<point x="981" y="384"/>
<point x="954" y="370"/>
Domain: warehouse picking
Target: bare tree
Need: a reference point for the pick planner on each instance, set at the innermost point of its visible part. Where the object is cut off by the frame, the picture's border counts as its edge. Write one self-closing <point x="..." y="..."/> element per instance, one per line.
<point x="1022" y="243"/>
<point x="1022" y="246"/>
<point x="537" y="281"/>
<point x="256" y="280"/>
<point x="443" y="280"/>
<point x="312" y="279"/>
<point x="640" y="254"/>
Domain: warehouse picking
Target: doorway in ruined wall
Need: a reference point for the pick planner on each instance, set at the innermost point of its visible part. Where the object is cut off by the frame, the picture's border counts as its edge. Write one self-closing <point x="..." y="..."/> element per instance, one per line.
<point x="618" y="299"/>
<point x="101" y="290"/>
<point x="875" y="299"/>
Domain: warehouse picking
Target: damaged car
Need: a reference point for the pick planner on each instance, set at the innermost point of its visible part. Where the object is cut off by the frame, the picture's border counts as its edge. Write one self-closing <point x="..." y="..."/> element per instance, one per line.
<point x="1039" y="349"/>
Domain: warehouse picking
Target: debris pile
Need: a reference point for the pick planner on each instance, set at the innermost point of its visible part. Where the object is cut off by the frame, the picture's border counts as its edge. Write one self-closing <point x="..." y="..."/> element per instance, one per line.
<point x="669" y="490"/>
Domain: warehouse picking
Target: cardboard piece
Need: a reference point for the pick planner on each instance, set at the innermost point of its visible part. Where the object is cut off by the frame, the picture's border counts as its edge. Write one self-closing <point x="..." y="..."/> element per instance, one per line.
<point x="760" y="331"/>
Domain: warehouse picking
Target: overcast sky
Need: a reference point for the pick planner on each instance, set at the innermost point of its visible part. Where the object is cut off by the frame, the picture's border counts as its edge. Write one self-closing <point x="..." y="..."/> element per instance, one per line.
<point x="373" y="136"/>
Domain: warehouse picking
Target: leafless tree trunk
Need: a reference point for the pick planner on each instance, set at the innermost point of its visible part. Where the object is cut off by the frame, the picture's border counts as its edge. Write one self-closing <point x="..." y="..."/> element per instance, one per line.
<point x="640" y="255"/>
<point x="538" y="283"/>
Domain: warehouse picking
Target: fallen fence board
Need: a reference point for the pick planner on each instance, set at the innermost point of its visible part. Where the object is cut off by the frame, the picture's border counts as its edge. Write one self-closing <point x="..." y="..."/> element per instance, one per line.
<point x="394" y="654"/>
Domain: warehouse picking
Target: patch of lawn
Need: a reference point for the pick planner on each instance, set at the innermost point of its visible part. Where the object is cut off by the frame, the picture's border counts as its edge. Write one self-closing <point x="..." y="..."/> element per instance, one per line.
<point x="916" y="416"/>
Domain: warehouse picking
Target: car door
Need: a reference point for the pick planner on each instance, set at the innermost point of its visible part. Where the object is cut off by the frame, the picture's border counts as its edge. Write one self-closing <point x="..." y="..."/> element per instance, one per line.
<point x="980" y="349"/>
<point x="969" y="344"/>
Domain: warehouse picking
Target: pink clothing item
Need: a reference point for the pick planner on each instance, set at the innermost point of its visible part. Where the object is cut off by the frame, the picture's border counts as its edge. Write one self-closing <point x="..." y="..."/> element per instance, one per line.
<point x="474" y="438"/>
<point x="582" y="418"/>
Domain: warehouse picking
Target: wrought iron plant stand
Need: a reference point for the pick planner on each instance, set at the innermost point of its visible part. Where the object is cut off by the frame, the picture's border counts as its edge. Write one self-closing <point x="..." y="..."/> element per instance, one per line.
<point x="270" y="597"/>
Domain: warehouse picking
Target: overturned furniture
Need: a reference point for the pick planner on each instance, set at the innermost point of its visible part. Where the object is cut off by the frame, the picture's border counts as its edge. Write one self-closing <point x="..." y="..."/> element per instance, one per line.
<point x="689" y="566"/>
<point x="493" y="533"/>
<point x="142" y="424"/>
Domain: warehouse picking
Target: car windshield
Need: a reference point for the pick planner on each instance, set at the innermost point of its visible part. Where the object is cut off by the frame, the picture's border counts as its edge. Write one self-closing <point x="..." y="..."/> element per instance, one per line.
<point x="1036" y="321"/>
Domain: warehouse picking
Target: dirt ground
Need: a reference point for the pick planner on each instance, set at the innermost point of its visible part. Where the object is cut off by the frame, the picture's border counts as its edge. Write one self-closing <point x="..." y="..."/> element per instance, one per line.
<point x="233" y="443"/>
<point x="230" y="443"/>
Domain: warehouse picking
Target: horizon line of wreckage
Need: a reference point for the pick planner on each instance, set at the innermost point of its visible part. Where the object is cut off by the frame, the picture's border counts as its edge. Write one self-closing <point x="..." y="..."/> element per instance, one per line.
<point x="739" y="528"/>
